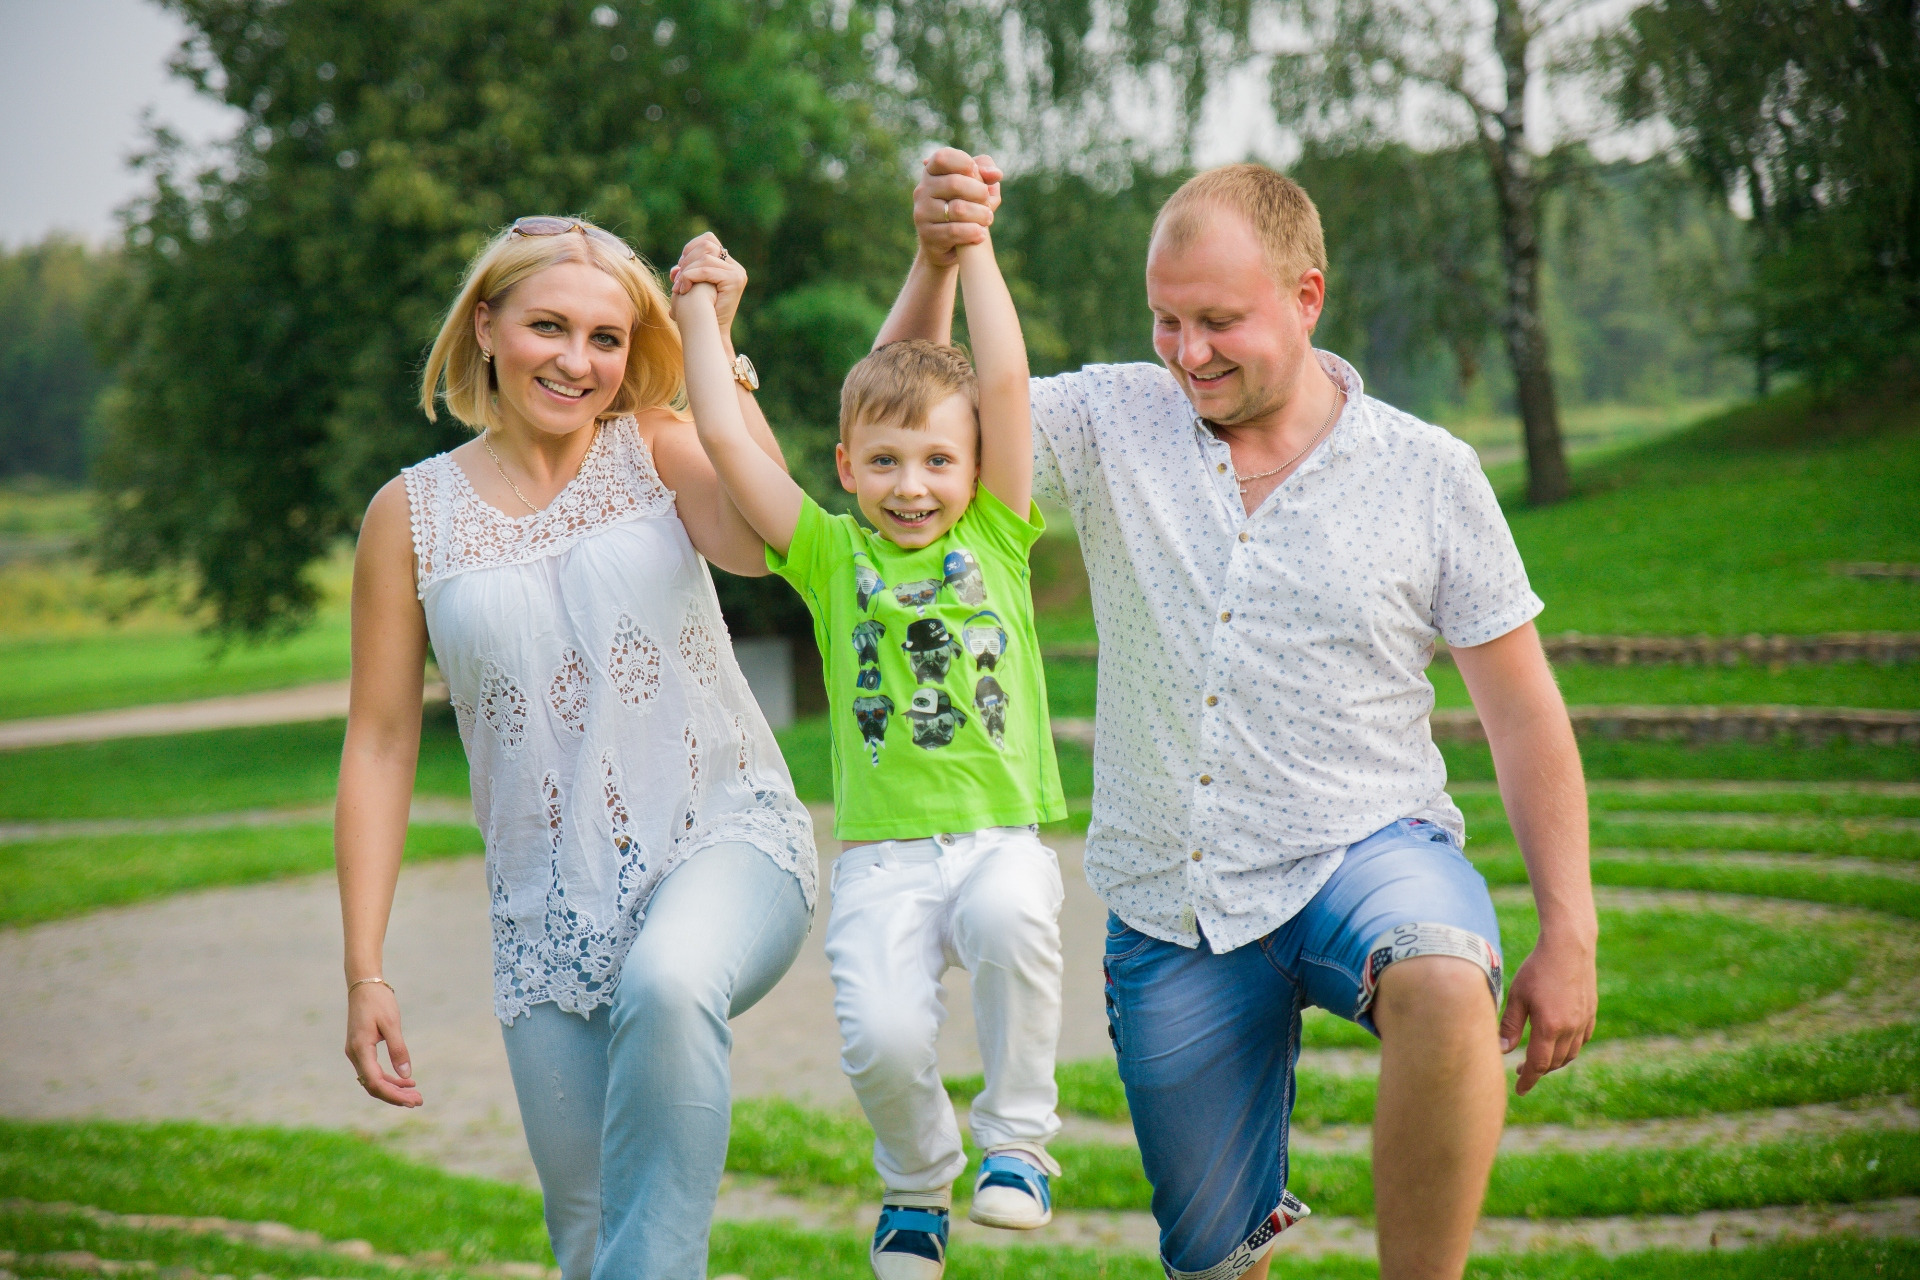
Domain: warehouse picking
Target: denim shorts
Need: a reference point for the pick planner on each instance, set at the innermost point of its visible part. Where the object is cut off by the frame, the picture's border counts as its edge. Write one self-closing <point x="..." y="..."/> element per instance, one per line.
<point x="1207" y="1042"/>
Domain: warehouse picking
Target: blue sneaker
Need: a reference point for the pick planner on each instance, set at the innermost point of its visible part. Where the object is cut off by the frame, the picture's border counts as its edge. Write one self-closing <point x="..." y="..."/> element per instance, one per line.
<point x="1012" y="1190"/>
<point x="910" y="1242"/>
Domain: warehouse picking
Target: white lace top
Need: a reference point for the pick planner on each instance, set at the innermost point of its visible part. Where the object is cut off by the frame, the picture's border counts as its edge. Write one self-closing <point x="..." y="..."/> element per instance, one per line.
<point x="609" y="731"/>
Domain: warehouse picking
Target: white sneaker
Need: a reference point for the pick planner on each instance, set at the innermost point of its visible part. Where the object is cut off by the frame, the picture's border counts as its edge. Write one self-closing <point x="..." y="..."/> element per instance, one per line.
<point x="910" y="1240"/>
<point x="1012" y="1191"/>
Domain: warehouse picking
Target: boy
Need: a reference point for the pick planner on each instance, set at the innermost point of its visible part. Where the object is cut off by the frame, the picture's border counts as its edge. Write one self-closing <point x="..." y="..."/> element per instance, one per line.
<point x="942" y="753"/>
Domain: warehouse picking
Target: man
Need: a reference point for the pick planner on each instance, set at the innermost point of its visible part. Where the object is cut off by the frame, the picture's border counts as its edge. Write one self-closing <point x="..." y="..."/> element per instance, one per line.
<point x="1272" y="555"/>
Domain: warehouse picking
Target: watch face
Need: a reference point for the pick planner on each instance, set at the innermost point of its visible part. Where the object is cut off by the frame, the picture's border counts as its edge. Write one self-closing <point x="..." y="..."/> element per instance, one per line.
<point x="745" y="373"/>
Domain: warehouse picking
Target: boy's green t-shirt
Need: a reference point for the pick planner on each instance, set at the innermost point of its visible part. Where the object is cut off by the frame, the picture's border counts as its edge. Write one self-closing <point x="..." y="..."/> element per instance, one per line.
<point x="937" y="700"/>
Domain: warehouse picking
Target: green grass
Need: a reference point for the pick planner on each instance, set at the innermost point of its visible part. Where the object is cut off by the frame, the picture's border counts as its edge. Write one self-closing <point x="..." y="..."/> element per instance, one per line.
<point x="1869" y="1063"/>
<point x="268" y="767"/>
<point x="1835" y="839"/>
<point x="1670" y="972"/>
<point x="1729" y="527"/>
<point x="1785" y="760"/>
<point x="48" y="879"/>
<point x="1804" y="884"/>
<point x="346" y="1187"/>
<point x="1601" y="1183"/>
<point x="67" y="674"/>
<point x="1781" y="802"/>
<point x="1850" y="685"/>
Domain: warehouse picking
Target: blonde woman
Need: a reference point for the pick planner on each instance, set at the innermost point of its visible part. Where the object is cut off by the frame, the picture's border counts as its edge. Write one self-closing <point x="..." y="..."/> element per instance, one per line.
<point x="652" y="874"/>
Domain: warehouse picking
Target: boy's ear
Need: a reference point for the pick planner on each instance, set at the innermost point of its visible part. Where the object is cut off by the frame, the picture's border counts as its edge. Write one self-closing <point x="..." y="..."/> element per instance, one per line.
<point x="844" y="465"/>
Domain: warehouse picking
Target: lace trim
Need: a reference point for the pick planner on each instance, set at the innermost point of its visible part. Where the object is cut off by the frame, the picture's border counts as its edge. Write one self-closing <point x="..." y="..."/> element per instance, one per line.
<point x="456" y="531"/>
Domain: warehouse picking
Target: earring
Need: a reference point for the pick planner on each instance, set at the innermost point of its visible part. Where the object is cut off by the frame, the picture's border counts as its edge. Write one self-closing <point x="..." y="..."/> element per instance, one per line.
<point x="487" y="356"/>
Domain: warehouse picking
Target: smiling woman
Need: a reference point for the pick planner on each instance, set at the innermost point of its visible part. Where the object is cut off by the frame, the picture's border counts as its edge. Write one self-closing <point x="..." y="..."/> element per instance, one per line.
<point x="651" y="872"/>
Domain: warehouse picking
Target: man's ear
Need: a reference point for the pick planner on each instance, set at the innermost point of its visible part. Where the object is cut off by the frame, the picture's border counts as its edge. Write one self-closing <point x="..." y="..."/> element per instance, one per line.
<point x="1311" y="297"/>
<point x="844" y="465"/>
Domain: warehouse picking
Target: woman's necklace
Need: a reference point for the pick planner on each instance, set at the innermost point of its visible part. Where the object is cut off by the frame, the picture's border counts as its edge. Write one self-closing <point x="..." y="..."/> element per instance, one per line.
<point x="1339" y="398"/>
<point x="488" y="446"/>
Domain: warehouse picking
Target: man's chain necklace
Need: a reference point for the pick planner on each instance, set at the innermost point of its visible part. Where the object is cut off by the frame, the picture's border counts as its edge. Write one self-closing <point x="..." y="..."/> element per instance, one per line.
<point x="1339" y="398"/>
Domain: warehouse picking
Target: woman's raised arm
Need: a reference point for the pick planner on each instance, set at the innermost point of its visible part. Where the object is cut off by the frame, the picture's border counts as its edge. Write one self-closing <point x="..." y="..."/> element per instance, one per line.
<point x="376" y="784"/>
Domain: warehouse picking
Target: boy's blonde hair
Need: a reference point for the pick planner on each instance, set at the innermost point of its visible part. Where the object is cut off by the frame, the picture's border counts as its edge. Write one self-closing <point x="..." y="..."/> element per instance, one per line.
<point x="1282" y="215"/>
<point x="655" y="375"/>
<point x="899" y="384"/>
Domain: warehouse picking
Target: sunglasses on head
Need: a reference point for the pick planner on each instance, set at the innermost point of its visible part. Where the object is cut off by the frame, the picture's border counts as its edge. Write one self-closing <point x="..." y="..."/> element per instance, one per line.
<point x="547" y="225"/>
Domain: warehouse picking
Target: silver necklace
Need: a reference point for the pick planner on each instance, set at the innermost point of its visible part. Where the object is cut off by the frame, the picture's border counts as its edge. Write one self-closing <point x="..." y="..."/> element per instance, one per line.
<point x="488" y="446"/>
<point x="1339" y="398"/>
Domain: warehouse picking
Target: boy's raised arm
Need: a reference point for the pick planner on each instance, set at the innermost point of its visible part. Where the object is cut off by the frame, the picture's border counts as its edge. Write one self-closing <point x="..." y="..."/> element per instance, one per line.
<point x="762" y="490"/>
<point x="1000" y="362"/>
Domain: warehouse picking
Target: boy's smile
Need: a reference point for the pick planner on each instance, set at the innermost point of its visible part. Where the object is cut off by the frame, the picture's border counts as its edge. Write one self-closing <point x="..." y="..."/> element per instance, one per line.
<point x="914" y="483"/>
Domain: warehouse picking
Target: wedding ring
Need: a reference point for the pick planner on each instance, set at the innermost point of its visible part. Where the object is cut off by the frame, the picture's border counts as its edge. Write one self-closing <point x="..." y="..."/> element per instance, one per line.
<point x="946" y="211"/>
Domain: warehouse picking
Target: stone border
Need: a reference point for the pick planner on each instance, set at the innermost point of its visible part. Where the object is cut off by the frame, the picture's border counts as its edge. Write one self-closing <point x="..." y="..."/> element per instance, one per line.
<point x="1878" y="569"/>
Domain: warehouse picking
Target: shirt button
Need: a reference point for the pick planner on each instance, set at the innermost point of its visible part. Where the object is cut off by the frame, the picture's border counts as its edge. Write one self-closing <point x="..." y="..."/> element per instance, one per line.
<point x="1222" y="468"/>
<point x="1206" y="779"/>
<point x="1196" y="855"/>
<point x="1244" y="535"/>
<point x="1226" y="615"/>
<point x="1212" y="701"/>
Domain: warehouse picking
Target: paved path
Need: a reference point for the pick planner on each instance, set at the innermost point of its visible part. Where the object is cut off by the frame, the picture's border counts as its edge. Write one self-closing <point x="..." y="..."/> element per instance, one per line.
<point x="225" y="1006"/>
<point x="326" y="701"/>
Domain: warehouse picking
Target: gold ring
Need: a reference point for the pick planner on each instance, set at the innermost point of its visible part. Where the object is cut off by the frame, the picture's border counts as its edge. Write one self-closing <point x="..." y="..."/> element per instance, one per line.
<point x="946" y="211"/>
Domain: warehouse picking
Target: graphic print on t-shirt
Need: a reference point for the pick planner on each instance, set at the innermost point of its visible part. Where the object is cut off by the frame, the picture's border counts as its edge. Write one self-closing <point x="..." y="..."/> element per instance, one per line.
<point x="930" y="649"/>
<point x="873" y="714"/>
<point x="991" y="701"/>
<point x="935" y="718"/>
<point x="984" y="638"/>
<point x="867" y="582"/>
<point x="917" y="595"/>
<point x="962" y="572"/>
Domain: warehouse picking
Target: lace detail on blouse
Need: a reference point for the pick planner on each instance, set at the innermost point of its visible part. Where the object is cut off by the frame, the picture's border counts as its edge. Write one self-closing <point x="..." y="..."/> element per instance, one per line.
<point x="455" y="530"/>
<point x="607" y="726"/>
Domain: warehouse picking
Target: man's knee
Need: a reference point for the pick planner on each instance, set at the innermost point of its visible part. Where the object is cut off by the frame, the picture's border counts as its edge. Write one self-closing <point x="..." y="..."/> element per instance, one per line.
<point x="1432" y="991"/>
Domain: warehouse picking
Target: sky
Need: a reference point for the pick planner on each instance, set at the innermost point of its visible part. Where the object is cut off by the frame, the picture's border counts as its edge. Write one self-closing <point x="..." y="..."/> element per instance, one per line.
<point x="75" y="76"/>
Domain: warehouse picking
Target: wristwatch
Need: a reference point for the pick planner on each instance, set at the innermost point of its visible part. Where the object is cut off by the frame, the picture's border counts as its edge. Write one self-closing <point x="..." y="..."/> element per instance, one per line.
<point x="745" y="374"/>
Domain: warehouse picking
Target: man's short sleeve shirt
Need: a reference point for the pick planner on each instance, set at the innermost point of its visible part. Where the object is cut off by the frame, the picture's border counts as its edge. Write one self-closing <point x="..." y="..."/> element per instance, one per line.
<point x="938" y="703"/>
<point x="1263" y="699"/>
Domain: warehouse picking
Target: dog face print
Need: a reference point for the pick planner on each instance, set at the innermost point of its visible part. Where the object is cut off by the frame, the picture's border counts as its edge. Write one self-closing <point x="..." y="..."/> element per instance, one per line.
<point x="991" y="701"/>
<point x="963" y="577"/>
<point x="930" y="648"/>
<point x="866" y="641"/>
<point x="985" y="639"/>
<point x="872" y="715"/>
<point x="917" y="595"/>
<point x="935" y="718"/>
<point x="867" y="582"/>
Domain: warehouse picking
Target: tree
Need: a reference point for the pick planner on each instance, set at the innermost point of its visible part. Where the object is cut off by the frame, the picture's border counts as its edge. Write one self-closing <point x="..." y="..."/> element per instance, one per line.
<point x="1808" y="113"/>
<point x="267" y="348"/>
<point x="48" y="379"/>
<point x="1457" y="75"/>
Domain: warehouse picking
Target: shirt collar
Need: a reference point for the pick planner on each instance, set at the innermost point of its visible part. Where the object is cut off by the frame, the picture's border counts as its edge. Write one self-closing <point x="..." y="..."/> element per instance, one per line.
<point x="1356" y="416"/>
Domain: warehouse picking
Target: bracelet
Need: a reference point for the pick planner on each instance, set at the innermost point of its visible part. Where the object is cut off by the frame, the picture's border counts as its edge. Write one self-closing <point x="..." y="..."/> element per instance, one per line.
<point x="364" y="981"/>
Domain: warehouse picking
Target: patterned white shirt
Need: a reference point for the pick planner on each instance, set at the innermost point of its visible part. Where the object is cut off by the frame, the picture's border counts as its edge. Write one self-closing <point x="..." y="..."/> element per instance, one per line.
<point x="1263" y="699"/>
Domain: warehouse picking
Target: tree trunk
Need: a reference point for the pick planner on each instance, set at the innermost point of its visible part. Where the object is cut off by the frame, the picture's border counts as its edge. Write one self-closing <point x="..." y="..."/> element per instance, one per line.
<point x="1504" y="142"/>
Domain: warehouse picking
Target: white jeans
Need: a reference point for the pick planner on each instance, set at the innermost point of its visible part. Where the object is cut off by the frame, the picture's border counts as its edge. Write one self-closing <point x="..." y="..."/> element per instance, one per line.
<point x="903" y="912"/>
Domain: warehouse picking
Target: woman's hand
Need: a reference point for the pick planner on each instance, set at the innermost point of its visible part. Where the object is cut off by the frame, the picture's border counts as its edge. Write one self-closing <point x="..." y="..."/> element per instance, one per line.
<point x="706" y="261"/>
<point x="373" y="1015"/>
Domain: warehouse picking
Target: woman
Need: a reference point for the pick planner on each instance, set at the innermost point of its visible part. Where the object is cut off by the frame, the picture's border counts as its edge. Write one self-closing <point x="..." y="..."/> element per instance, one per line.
<point x="651" y="872"/>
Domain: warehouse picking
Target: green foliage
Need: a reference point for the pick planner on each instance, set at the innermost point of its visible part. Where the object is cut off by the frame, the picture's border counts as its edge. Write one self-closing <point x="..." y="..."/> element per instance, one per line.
<point x="1809" y="111"/>
<point x="48" y="379"/>
<point x="384" y="142"/>
<point x="49" y="879"/>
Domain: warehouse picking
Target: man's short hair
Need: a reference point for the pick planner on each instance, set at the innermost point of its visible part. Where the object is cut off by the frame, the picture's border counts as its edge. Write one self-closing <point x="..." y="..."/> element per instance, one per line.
<point x="1281" y="214"/>
<point x="900" y="383"/>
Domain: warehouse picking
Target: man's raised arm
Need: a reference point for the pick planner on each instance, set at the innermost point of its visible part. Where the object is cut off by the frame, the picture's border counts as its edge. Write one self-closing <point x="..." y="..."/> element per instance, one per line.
<point x="952" y="206"/>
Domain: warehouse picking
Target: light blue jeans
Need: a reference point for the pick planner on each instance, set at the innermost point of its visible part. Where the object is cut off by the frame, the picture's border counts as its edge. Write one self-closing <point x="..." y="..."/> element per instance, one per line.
<point x="627" y="1111"/>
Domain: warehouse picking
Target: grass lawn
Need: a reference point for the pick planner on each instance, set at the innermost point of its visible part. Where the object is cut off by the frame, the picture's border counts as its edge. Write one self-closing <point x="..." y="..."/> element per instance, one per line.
<point x="48" y="879"/>
<point x="265" y="767"/>
<point x="48" y="676"/>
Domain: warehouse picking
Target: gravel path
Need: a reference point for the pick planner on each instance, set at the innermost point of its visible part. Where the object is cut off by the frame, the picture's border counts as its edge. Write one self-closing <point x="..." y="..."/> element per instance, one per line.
<point x="225" y="1006"/>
